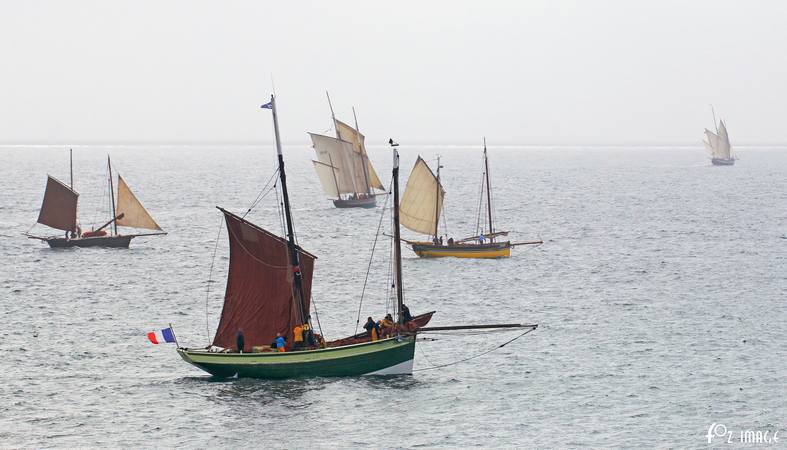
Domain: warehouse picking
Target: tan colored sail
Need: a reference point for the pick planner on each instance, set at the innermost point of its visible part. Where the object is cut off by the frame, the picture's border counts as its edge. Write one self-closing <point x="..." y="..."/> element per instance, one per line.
<point x="134" y="214"/>
<point x="339" y="154"/>
<point x="327" y="175"/>
<point x="59" y="208"/>
<point x="358" y="141"/>
<point x="421" y="205"/>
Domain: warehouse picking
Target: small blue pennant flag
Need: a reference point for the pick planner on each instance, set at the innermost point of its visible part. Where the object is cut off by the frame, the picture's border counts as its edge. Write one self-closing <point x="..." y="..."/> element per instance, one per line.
<point x="268" y="105"/>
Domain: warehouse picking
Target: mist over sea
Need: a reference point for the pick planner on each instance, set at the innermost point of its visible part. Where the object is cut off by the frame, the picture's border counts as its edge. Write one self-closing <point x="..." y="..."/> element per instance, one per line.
<point x="660" y="292"/>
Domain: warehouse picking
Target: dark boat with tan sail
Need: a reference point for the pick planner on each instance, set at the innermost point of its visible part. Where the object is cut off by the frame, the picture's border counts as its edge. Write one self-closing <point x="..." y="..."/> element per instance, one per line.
<point x="59" y="211"/>
<point x="343" y="166"/>
<point x="268" y="298"/>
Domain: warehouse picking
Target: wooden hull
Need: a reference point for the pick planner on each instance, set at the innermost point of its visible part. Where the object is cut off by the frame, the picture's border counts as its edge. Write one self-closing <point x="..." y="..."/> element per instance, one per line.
<point x="493" y="250"/>
<point x="722" y="162"/>
<point x="368" y="202"/>
<point x="98" y="241"/>
<point x="391" y="356"/>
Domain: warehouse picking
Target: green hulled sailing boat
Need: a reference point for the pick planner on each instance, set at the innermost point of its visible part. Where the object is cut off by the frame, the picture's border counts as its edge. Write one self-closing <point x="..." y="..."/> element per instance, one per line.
<point x="268" y="294"/>
<point x="343" y="166"/>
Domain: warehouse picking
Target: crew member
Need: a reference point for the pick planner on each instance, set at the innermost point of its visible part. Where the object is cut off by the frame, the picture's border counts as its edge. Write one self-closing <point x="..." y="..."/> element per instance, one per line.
<point x="297" y="339"/>
<point x="279" y="343"/>
<point x="372" y="329"/>
<point x="240" y="341"/>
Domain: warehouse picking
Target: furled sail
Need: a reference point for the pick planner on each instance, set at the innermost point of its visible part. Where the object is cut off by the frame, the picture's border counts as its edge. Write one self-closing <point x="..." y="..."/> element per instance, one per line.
<point x="358" y="141"/>
<point x="421" y="205"/>
<point x="134" y="214"/>
<point x="59" y="208"/>
<point x="328" y="178"/>
<point x="259" y="297"/>
<point x="338" y="154"/>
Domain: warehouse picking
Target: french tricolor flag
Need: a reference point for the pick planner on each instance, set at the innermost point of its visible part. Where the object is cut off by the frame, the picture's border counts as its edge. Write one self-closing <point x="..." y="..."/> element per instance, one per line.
<point x="160" y="337"/>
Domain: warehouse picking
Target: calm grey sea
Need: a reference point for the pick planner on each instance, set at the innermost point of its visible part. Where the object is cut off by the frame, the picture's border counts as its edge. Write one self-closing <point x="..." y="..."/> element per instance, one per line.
<point x="660" y="290"/>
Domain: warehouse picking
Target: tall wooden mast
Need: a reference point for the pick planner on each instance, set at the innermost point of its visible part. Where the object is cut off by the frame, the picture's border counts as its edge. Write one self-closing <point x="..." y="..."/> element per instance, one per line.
<point x="112" y="197"/>
<point x="364" y="157"/>
<point x="488" y="195"/>
<point x="294" y="258"/>
<point x="437" y="202"/>
<point x="397" y="238"/>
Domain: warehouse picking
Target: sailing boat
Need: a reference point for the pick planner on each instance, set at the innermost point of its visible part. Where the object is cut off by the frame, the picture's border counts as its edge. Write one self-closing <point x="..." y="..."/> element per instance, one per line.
<point x="718" y="144"/>
<point x="343" y="166"/>
<point x="268" y="294"/>
<point x="59" y="211"/>
<point x="422" y="205"/>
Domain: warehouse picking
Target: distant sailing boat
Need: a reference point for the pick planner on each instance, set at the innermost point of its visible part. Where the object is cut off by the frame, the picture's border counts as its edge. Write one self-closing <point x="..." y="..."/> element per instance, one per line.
<point x="422" y="205"/>
<point x="718" y="144"/>
<point x="268" y="295"/>
<point x="343" y="166"/>
<point x="59" y="211"/>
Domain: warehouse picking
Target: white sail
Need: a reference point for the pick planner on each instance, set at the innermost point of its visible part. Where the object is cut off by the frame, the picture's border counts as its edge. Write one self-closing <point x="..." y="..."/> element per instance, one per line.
<point x="134" y="214"/>
<point x="714" y="144"/>
<point x="421" y="204"/>
<point x="358" y="141"/>
<point x="328" y="177"/>
<point x="725" y="149"/>
<point x="338" y="154"/>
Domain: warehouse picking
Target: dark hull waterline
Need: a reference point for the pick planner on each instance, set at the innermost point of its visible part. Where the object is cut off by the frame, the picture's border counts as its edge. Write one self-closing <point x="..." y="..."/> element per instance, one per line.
<point x="722" y="162"/>
<point x="369" y="202"/>
<point x="98" y="241"/>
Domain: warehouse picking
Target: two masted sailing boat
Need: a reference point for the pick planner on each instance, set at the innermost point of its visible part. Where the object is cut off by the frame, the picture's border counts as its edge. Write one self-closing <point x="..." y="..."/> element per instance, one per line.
<point x="718" y="144"/>
<point x="268" y="295"/>
<point x="59" y="211"/>
<point x="422" y="206"/>
<point x="343" y="166"/>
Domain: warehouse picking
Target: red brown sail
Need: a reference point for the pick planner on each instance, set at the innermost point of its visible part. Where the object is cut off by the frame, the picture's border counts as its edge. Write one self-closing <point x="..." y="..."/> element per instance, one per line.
<point x="259" y="296"/>
<point x="59" y="209"/>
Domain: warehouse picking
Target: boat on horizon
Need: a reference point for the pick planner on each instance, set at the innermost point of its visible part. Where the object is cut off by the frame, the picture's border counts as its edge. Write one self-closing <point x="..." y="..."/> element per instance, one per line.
<point x="718" y="144"/>
<point x="59" y="211"/>
<point x="343" y="166"/>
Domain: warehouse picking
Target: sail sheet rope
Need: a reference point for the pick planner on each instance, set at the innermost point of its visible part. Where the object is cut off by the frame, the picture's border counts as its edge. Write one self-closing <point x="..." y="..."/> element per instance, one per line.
<point x="371" y="258"/>
<point x="210" y="281"/>
<point x="478" y="355"/>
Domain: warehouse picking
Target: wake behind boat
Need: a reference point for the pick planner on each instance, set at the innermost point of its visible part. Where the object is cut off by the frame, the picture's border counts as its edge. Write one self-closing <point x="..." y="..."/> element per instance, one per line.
<point x="59" y="211"/>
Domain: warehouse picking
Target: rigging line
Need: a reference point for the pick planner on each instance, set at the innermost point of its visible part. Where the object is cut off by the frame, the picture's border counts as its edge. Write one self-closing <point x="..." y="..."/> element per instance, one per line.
<point x="261" y="195"/>
<point x="210" y="276"/>
<point x="480" y="203"/>
<point x="474" y="356"/>
<point x="317" y="315"/>
<point x="371" y="258"/>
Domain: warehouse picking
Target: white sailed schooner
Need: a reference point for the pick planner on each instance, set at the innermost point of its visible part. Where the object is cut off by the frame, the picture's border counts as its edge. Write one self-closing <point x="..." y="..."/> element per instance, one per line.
<point x="344" y="168"/>
<point x="718" y="144"/>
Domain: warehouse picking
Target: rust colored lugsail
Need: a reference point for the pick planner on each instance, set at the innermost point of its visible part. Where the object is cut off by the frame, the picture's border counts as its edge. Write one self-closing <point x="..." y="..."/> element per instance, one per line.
<point x="59" y="209"/>
<point x="259" y="296"/>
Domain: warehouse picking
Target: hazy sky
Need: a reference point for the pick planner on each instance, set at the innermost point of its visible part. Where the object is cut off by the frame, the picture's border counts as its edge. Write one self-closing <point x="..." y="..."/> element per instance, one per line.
<point x="519" y="72"/>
